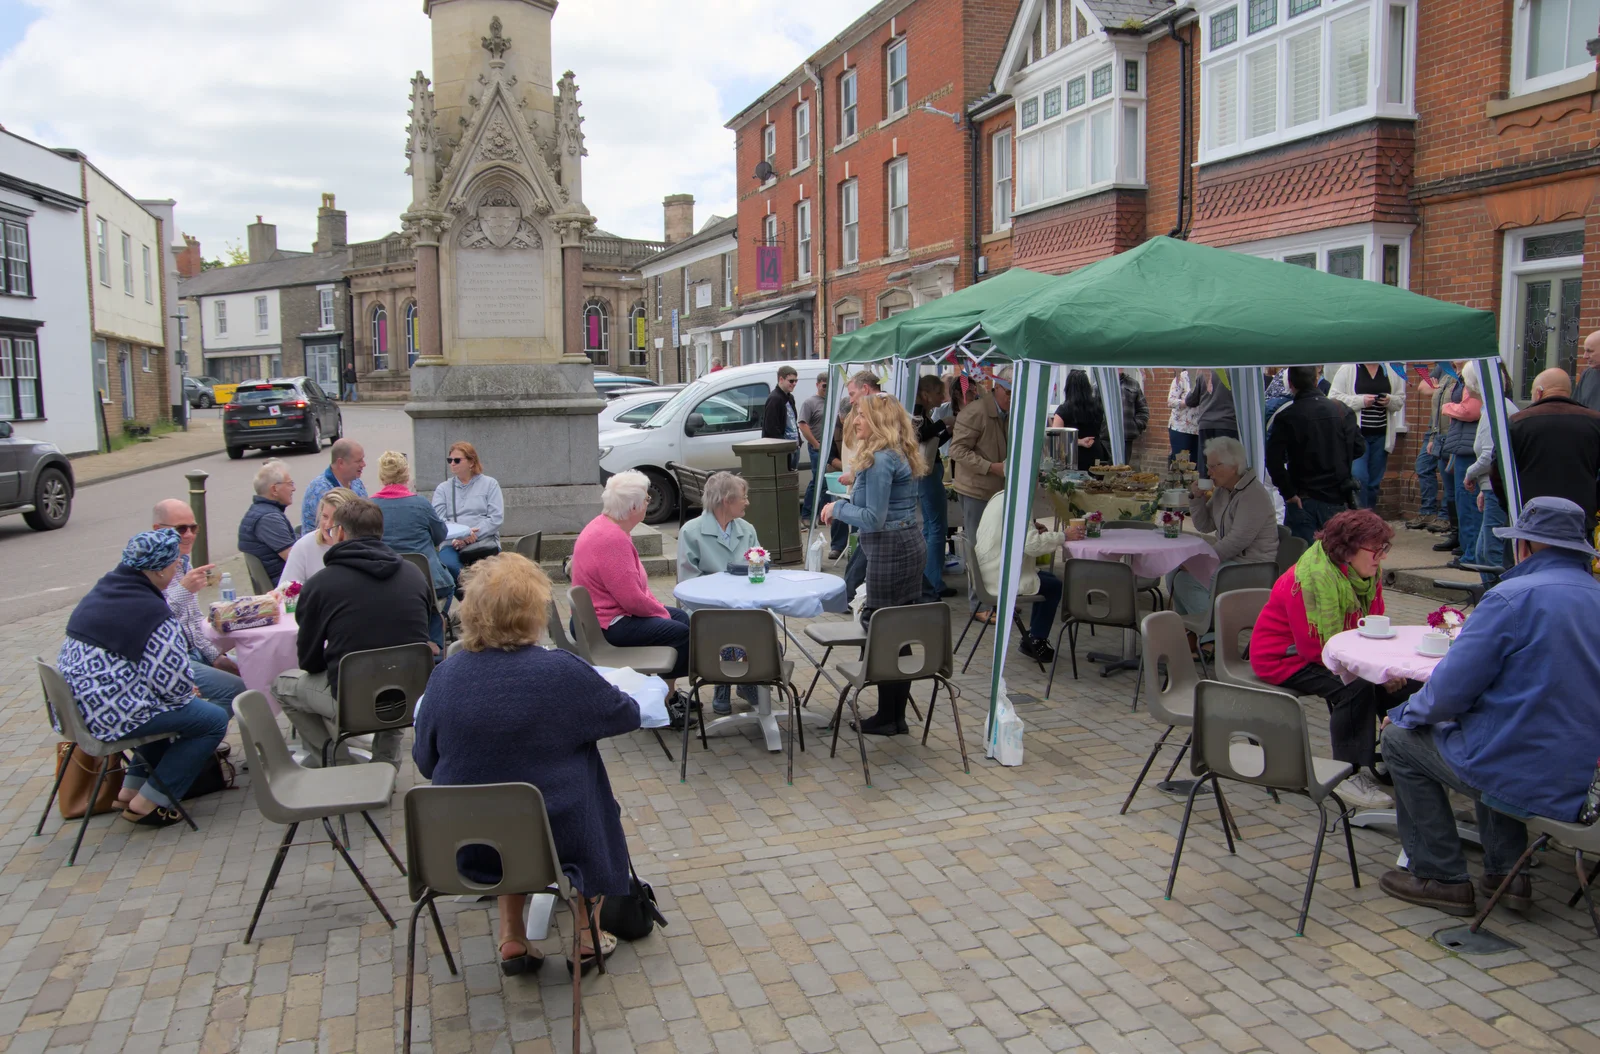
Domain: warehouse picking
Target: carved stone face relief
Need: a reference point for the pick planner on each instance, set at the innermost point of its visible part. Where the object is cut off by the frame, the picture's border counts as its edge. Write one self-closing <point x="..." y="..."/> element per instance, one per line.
<point x="498" y="223"/>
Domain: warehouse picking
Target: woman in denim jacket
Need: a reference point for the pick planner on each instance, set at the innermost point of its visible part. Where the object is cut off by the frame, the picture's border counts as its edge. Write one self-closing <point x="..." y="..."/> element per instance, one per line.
<point x="883" y="508"/>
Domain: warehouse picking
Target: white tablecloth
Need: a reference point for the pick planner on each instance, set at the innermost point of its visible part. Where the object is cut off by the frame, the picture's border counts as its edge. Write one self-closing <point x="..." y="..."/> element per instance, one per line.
<point x="803" y="594"/>
<point x="1349" y="655"/>
<point x="1151" y="553"/>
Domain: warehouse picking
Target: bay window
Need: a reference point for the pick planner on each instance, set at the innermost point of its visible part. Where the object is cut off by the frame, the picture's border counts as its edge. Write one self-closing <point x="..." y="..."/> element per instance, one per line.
<point x="1376" y="252"/>
<point x="1548" y="39"/>
<point x="1080" y="127"/>
<point x="1277" y="70"/>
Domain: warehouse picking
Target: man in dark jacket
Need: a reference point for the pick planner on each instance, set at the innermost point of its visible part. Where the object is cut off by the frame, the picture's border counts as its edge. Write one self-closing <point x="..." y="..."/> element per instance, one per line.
<point x="779" y="419"/>
<point x="1556" y="445"/>
<point x="264" y="532"/>
<point x="366" y="596"/>
<point x="1135" y="411"/>
<point x="1313" y="442"/>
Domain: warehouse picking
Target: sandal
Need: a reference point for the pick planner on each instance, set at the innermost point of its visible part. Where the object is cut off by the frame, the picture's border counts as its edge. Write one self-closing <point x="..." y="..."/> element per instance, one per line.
<point x="608" y="944"/>
<point x="985" y="616"/>
<point x="513" y="965"/>
<point x="157" y="817"/>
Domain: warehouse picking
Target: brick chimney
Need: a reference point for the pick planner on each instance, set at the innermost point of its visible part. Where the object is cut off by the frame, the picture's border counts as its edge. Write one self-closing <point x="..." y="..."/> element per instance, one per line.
<point x="188" y="259"/>
<point x="678" y="216"/>
<point x="263" y="240"/>
<point x="330" y="227"/>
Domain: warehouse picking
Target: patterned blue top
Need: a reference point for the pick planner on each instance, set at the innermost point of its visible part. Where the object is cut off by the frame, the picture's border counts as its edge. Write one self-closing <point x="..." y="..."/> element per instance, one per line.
<point x="313" y="497"/>
<point x="115" y="696"/>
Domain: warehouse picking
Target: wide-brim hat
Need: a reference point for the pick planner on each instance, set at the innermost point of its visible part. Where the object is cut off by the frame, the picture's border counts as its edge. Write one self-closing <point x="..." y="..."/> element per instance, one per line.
<point x="1552" y="521"/>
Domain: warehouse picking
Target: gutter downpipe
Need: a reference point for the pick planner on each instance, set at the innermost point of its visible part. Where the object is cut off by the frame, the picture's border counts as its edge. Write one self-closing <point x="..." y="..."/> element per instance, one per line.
<point x="1185" y="55"/>
<point x="821" y="313"/>
<point x="974" y="143"/>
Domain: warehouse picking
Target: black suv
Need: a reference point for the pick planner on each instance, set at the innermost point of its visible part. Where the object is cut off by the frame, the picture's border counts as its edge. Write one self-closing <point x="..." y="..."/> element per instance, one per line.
<point x="285" y="411"/>
<point x="35" y="480"/>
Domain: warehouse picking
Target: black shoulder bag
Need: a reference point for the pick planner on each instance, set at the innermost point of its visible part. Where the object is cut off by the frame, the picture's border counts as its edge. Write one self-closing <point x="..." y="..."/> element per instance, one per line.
<point x="631" y="918"/>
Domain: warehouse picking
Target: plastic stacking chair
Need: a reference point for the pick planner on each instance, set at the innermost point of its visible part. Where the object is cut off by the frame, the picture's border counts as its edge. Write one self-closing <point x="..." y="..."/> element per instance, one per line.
<point x="378" y="692"/>
<point x="831" y="635"/>
<point x="1231" y="577"/>
<point x="1095" y="593"/>
<point x="531" y="545"/>
<point x="59" y="704"/>
<point x="904" y="644"/>
<point x="984" y="598"/>
<point x="1259" y="737"/>
<point x="1290" y="550"/>
<point x="509" y="818"/>
<point x="557" y="628"/>
<point x="1170" y="678"/>
<point x="1575" y="836"/>
<point x="420" y="562"/>
<point x="1236" y="613"/>
<point x="713" y="632"/>
<point x="289" y="794"/>
<point x="594" y="648"/>
<point x="260" y="581"/>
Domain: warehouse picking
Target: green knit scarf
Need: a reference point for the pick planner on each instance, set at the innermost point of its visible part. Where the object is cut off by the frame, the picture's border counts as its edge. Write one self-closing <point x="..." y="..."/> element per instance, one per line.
<point x="1330" y="592"/>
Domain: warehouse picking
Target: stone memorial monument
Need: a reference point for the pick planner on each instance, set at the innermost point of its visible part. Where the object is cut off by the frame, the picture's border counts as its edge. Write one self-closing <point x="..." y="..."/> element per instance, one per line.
<point x="498" y="220"/>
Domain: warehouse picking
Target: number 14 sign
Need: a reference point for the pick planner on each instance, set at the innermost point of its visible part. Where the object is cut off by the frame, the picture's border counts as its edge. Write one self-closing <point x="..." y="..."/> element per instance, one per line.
<point x="769" y="267"/>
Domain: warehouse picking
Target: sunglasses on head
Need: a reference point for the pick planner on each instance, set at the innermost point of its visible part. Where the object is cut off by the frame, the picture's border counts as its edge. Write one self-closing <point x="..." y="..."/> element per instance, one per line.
<point x="183" y="528"/>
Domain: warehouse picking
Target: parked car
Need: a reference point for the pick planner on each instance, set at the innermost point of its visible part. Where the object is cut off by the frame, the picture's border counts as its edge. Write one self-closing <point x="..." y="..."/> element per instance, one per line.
<point x="698" y="427"/>
<point x="35" y="481"/>
<point x="198" y="393"/>
<point x="221" y="390"/>
<point x="635" y="407"/>
<point x="285" y="411"/>
<point x="610" y="384"/>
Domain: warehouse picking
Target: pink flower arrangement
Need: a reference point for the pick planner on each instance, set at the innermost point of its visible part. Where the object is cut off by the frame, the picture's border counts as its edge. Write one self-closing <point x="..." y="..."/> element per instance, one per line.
<point x="757" y="556"/>
<point x="291" y="590"/>
<point x="1170" y="517"/>
<point x="1448" y="619"/>
<point x="1095" y="517"/>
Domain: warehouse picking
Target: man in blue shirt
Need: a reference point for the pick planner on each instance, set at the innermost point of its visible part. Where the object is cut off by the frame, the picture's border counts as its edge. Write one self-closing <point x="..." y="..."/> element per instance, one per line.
<point x="348" y="462"/>
<point x="1509" y="718"/>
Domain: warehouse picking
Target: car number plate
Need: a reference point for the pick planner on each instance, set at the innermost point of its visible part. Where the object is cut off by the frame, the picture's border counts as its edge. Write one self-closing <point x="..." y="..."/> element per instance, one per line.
<point x="265" y="422"/>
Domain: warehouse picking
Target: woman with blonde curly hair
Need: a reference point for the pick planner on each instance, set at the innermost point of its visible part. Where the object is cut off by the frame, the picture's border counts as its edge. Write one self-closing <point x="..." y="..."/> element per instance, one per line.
<point x="504" y="710"/>
<point x="305" y="557"/>
<point x="883" y="508"/>
<point x="411" y="526"/>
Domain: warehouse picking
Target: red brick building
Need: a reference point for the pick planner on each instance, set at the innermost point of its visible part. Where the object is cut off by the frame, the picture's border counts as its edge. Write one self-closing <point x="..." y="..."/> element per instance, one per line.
<point x="857" y="171"/>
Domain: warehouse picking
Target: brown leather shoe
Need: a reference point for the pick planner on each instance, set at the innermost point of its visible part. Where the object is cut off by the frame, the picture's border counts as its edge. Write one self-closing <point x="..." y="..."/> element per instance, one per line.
<point x="1518" y="898"/>
<point x="1452" y="898"/>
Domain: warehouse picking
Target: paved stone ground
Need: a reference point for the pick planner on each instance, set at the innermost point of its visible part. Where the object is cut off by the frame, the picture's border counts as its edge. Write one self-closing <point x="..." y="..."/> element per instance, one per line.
<point x="1010" y="909"/>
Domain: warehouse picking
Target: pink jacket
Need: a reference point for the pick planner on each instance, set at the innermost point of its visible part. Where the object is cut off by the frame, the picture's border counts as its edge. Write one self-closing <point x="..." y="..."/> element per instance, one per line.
<point x="605" y="563"/>
<point x="1283" y="624"/>
<point x="1468" y="409"/>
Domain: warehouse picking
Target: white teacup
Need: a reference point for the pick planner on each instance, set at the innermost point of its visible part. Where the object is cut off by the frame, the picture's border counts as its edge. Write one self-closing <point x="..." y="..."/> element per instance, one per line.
<point x="1204" y="484"/>
<point x="1374" y="626"/>
<point x="1434" y="642"/>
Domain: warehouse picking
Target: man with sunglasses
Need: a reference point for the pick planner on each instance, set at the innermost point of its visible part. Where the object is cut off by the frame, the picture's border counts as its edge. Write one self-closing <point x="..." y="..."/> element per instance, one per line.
<point x="214" y="673"/>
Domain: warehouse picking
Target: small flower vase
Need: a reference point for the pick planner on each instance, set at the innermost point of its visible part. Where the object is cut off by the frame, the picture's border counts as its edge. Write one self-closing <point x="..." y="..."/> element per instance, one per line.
<point x="289" y="605"/>
<point x="1092" y="529"/>
<point x="758" y="574"/>
<point x="1172" y="529"/>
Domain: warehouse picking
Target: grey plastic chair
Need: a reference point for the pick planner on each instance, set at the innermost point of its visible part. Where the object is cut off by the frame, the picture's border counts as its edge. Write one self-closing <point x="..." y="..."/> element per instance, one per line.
<point x="557" y="628"/>
<point x="1231" y="577"/>
<point x="1579" y="838"/>
<point x="713" y="632"/>
<point x="1236" y="613"/>
<point x="288" y="794"/>
<point x="63" y="708"/>
<point x="260" y="581"/>
<point x="420" y="562"/>
<point x="983" y="597"/>
<point x="594" y="648"/>
<point x="1290" y="550"/>
<point x="831" y="635"/>
<point x="910" y="643"/>
<point x="378" y="692"/>
<point x="1095" y="593"/>
<point x="1170" y="678"/>
<point x="1234" y="723"/>
<point x="531" y="545"/>
<point x="511" y="819"/>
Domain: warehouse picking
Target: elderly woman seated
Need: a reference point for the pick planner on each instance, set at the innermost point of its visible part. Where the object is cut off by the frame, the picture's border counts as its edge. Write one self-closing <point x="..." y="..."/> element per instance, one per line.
<point x="127" y="663"/>
<point x="410" y="525"/>
<point x="1239" y="510"/>
<point x="713" y="540"/>
<point x="605" y="563"/>
<point x="504" y="710"/>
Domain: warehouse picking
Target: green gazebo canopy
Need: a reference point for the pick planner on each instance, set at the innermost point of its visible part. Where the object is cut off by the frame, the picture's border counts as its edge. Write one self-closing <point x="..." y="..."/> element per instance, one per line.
<point x="925" y="329"/>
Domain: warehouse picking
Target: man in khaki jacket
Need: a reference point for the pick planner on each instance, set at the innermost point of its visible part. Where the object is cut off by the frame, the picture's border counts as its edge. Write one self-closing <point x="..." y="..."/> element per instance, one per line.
<point x="978" y="451"/>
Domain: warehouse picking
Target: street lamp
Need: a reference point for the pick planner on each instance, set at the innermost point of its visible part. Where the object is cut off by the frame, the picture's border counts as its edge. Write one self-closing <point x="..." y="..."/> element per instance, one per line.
<point x="182" y="316"/>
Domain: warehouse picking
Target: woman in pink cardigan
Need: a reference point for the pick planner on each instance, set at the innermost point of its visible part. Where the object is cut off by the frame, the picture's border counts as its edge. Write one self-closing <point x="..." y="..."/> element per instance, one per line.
<point x="605" y="563"/>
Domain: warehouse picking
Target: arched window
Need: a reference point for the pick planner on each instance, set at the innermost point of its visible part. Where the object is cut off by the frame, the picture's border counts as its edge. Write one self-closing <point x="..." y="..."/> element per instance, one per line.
<point x="597" y="332"/>
<point x="411" y="334"/>
<point x="380" y="338"/>
<point x="638" y="336"/>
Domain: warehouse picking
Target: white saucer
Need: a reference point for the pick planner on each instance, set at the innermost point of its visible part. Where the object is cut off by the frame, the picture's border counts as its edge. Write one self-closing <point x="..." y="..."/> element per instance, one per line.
<point x="1433" y="655"/>
<point x="1391" y="635"/>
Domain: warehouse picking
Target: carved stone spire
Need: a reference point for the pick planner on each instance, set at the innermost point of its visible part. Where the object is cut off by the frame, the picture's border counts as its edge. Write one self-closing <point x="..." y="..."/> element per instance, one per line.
<point x="422" y="144"/>
<point x="569" y="140"/>
<point x="495" y="44"/>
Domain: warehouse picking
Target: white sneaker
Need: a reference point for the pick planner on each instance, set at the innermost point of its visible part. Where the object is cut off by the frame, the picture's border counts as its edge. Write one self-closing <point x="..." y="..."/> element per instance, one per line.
<point x="1365" y="792"/>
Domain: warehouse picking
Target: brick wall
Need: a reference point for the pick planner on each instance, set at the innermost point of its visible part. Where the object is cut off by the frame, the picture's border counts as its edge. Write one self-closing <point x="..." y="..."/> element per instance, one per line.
<point x="703" y="272"/>
<point x="150" y="400"/>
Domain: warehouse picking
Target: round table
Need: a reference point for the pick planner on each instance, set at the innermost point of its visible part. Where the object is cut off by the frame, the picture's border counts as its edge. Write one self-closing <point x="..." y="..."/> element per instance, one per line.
<point x="1349" y="655"/>
<point x="261" y="653"/>
<point x="1151" y="553"/>
<point x="803" y="594"/>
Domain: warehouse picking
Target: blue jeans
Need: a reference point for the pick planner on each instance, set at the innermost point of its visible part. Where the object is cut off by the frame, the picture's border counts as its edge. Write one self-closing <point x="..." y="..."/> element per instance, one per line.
<point x="1428" y="464"/>
<point x="1422" y="782"/>
<point x="1469" y="520"/>
<point x="631" y="631"/>
<point x="199" y="726"/>
<point x="218" y="687"/>
<point x="1490" y="549"/>
<point x="1182" y="441"/>
<point x="1306" y="519"/>
<point x="349" y="392"/>
<point x="1044" y="612"/>
<point x="806" y="498"/>
<point x="935" y="510"/>
<point x="1368" y="470"/>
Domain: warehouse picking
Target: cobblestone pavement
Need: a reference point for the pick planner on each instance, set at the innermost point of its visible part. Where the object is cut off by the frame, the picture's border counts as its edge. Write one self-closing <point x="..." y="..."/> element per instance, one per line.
<point x="1010" y="909"/>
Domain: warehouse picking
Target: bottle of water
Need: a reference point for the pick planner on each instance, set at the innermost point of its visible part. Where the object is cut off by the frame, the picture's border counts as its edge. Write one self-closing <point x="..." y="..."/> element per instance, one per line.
<point x="227" y="587"/>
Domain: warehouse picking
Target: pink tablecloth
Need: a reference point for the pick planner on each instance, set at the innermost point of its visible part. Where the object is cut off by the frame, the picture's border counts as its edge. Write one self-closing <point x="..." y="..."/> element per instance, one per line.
<point x="261" y="653"/>
<point x="1350" y="655"/>
<point x="1151" y="553"/>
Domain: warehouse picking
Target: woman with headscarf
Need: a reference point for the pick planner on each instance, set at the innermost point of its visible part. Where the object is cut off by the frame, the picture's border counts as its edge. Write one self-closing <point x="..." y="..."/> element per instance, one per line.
<point x="126" y="662"/>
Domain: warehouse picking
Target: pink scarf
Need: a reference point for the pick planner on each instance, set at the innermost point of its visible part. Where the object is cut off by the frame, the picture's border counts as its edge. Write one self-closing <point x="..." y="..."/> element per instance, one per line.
<point x="395" y="490"/>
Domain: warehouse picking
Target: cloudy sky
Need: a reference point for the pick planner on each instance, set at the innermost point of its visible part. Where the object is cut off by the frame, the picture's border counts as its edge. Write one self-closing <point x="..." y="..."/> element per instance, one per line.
<point x="239" y="107"/>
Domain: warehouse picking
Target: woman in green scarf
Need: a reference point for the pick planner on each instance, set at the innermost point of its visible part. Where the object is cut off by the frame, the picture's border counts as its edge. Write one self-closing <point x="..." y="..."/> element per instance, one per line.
<point x="1334" y="585"/>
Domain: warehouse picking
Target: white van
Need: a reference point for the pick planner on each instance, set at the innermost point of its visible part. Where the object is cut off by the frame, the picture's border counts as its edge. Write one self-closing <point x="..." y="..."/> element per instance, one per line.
<point x="699" y="426"/>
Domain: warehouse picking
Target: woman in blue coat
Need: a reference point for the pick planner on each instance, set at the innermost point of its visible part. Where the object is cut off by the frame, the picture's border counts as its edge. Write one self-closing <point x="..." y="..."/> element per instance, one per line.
<point x="504" y="710"/>
<point x="411" y="526"/>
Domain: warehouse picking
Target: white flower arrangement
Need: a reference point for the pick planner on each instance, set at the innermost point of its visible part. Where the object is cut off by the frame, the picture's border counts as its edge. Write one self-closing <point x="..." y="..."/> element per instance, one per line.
<point x="757" y="556"/>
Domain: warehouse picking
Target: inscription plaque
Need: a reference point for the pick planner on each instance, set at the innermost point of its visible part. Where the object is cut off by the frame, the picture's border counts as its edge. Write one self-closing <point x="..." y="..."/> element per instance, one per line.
<point x="500" y="293"/>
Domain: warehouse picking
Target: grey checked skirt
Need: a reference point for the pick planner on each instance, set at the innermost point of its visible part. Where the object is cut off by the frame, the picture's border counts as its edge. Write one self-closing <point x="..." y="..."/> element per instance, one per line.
<point x="895" y="560"/>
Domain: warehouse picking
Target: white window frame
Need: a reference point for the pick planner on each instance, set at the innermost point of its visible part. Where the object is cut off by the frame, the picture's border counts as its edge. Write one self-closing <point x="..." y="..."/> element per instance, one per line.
<point x="898" y="172"/>
<point x="802" y="239"/>
<point x="659" y="297"/>
<point x="727" y="279"/>
<point x="688" y="305"/>
<point x="263" y="318"/>
<point x="1236" y="55"/>
<point x="769" y="143"/>
<point x="1369" y="237"/>
<point x="891" y="82"/>
<point x="802" y="134"/>
<point x="849" y="106"/>
<point x="144" y="359"/>
<point x="1521" y="83"/>
<point x="219" y="311"/>
<point x="1000" y="183"/>
<point x="16" y="269"/>
<point x="769" y="229"/>
<point x="149" y="284"/>
<point x="102" y="247"/>
<point x="127" y="264"/>
<point x="1515" y="267"/>
<point x="325" y="307"/>
<point x="849" y="223"/>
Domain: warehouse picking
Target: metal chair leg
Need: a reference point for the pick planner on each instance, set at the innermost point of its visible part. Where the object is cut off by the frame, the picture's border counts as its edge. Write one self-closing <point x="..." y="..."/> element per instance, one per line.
<point x="383" y="841"/>
<point x="1505" y="884"/>
<point x="1146" y="770"/>
<point x="1316" y="859"/>
<point x="1223" y="814"/>
<point x="983" y="627"/>
<point x="1138" y="683"/>
<point x="683" y="769"/>
<point x="838" y="719"/>
<point x="1181" y="752"/>
<point x="88" y="812"/>
<point x="1072" y="644"/>
<point x="1349" y="839"/>
<point x="973" y="617"/>
<point x="794" y="730"/>
<point x="817" y="675"/>
<point x="594" y="932"/>
<point x="663" y="743"/>
<point x="955" y="711"/>
<point x="1183" y="833"/>
<point x="339" y="846"/>
<point x="1583" y="887"/>
<point x="177" y="803"/>
<point x="861" y="737"/>
<point x="272" y="879"/>
<point x="444" y="942"/>
<point x="1577" y="894"/>
<point x="411" y="969"/>
<point x="61" y="772"/>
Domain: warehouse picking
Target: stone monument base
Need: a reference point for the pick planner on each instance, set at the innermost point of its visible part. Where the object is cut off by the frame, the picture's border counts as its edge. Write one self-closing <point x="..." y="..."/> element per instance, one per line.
<point x="535" y="430"/>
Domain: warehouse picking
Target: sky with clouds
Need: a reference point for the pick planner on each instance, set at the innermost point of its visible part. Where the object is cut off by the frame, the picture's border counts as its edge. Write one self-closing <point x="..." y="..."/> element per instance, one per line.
<point x="240" y="107"/>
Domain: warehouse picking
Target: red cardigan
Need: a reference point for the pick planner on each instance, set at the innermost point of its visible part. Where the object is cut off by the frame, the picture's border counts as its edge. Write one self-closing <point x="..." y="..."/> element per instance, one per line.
<point x="1283" y="623"/>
